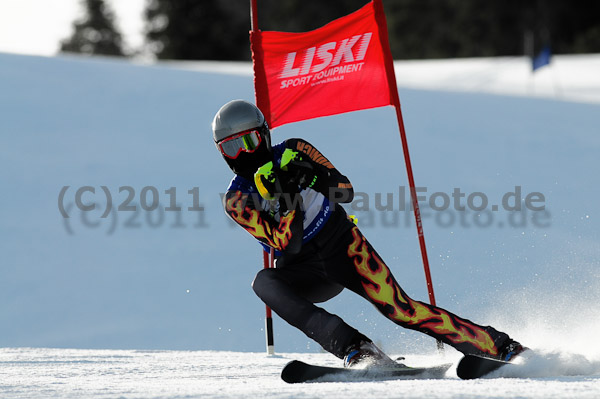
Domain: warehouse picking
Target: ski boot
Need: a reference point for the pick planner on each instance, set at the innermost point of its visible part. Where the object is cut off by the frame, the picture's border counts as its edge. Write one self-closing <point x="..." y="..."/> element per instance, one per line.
<point x="366" y="354"/>
<point x="510" y="349"/>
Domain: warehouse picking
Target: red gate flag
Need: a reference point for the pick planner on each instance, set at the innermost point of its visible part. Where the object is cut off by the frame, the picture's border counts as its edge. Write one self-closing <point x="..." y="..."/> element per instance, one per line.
<point x="340" y="67"/>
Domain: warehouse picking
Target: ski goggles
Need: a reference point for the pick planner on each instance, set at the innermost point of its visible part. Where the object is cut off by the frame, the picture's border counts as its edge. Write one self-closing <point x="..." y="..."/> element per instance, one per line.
<point x="247" y="141"/>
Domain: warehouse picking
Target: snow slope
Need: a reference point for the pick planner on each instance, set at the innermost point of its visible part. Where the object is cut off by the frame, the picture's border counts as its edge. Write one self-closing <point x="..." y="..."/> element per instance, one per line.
<point x="180" y="280"/>
<point x="568" y="77"/>
<point x="69" y="373"/>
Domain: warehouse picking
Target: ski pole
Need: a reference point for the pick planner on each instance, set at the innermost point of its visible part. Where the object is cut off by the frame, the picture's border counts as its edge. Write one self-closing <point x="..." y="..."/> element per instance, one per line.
<point x="269" y="317"/>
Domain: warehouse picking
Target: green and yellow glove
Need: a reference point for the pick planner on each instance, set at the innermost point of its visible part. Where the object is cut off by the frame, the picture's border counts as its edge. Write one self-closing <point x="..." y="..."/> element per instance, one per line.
<point x="298" y="169"/>
<point x="293" y="175"/>
<point x="266" y="181"/>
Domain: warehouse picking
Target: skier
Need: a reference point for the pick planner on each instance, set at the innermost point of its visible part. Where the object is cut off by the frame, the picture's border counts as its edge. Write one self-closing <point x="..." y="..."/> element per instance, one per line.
<point x="288" y="197"/>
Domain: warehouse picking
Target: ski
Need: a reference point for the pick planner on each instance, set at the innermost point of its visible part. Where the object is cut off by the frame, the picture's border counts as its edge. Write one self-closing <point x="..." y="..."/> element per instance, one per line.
<point x="473" y="366"/>
<point x="297" y="371"/>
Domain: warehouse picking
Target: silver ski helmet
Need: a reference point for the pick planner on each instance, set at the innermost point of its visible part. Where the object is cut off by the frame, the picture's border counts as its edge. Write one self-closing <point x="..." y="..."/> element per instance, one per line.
<point x="242" y="135"/>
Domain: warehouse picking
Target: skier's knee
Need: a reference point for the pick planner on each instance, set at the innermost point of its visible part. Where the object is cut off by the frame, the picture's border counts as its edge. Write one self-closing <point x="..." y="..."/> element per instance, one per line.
<point x="263" y="281"/>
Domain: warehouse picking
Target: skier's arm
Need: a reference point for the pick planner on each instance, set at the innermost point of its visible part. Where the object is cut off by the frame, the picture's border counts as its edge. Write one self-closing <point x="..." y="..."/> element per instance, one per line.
<point x="285" y="235"/>
<point x="322" y="176"/>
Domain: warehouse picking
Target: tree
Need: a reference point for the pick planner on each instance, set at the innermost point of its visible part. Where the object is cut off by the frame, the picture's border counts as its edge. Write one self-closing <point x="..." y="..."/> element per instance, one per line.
<point x="218" y="29"/>
<point x="302" y="15"/>
<point x="95" y="33"/>
<point x="198" y="30"/>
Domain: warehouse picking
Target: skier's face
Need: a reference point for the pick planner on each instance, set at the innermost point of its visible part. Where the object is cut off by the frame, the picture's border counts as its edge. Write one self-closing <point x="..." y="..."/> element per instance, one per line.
<point x="246" y="153"/>
<point x="248" y="141"/>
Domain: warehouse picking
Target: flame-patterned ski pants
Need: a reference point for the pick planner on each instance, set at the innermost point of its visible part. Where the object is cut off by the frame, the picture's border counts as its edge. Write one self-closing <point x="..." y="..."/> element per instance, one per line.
<point x="341" y="257"/>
